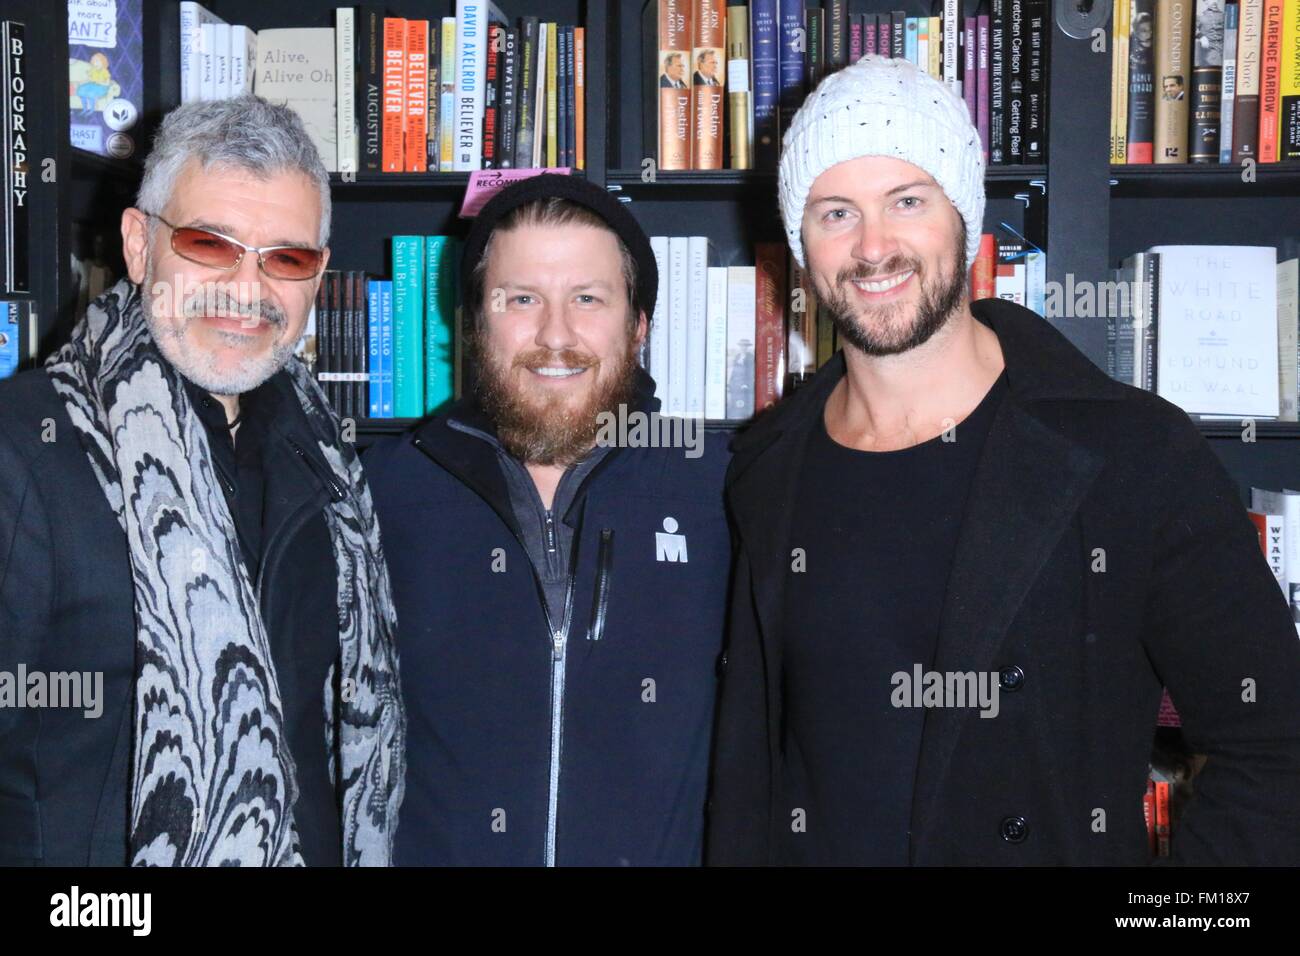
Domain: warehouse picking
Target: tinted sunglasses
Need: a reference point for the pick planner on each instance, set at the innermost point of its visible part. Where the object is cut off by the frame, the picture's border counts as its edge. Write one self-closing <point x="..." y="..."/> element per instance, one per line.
<point x="216" y="251"/>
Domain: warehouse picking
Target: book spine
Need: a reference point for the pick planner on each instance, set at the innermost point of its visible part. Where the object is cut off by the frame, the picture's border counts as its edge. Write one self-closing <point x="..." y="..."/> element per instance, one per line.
<point x="1289" y="85"/>
<point x="837" y="54"/>
<point x="540" y="110"/>
<point x="408" y="326"/>
<point x="1270" y="59"/>
<point x="386" y="348"/>
<point x="982" y="74"/>
<point x="997" y="80"/>
<point x="1119" y="82"/>
<point x="1207" y="84"/>
<point x="447" y="97"/>
<point x="696" y="325"/>
<point x="552" y="94"/>
<point x="208" y="61"/>
<point x="1245" y="120"/>
<point x="14" y="121"/>
<point x="374" y="322"/>
<point x="952" y="26"/>
<point x="793" y="40"/>
<point x="1036" y="83"/>
<point x="769" y="324"/>
<point x="321" y="367"/>
<point x="1015" y="82"/>
<point x="439" y="316"/>
<point x="190" y="38"/>
<point x="970" y="85"/>
<point x="345" y="85"/>
<point x="471" y="67"/>
<point x="1150" y="327"/>
<point x="492" y="98"/>
<point x="679" y="304"/>
<point x="563" y="65"/>
<point x="361" y="387"/>
<point x="580" y="96"/>
<point x="394" y="122"/>
<point x="815" y="58"/>
<point x="764" y="48"/>
<point x="1141" y="83"/>
<point x="855" y="38"/>
<point x="738" y="97"/>
<point x="338" y="341"/>
<point x="509" y="97"/>
<point x="897" y="31"/>
<point x="433" y="111"/>
<point x="708" y="40"/>
<point x="417" y="96"/>
<point x="715" y="359"/>
<point x="740" y="342"/>
<point x="801" y="331"/>
<point x="370" y="81"/>
<point x="221" y="61"/>
<point x="527" y="92"/>
<point x="1229" y="97"/>
<point x="352" y="345"/>
<point x="1174" y="20"/>
<point x="659" y="324"/>
<point x="870" y="34"/>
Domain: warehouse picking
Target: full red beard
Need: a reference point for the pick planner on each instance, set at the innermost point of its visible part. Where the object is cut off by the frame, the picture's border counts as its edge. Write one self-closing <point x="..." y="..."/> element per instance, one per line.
<point x="551" y="430"/>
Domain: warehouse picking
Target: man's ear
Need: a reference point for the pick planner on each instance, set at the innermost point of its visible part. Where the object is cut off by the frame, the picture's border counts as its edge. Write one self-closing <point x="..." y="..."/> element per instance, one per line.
<point x="135" y="243"/>
<point x="642" y="327"/>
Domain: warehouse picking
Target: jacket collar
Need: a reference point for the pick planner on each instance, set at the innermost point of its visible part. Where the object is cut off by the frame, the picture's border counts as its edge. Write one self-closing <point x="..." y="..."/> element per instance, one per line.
<point x="1029" y="482"/>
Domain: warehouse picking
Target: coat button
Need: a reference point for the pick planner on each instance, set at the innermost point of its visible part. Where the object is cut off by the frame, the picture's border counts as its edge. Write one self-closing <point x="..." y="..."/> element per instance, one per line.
<point x="1014" y="829"/>
<point x="1011" y="678"/>
<point x="722" y="664"/>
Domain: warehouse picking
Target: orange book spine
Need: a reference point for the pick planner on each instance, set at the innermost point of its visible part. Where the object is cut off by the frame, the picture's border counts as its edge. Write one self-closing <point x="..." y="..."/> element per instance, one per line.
<point x="417" y="96"/>
<point x="1162" y="818"/>
<point x="394" y="122"/>
<point x="1270" y="80"/>
<point x="1149" y="814"/>
<point x="708" y="92"/>
<point x="982" y="285"/>
<point x="580" y="95"/>
<point x="769" y="323"/>
<point x="674" y="82"/>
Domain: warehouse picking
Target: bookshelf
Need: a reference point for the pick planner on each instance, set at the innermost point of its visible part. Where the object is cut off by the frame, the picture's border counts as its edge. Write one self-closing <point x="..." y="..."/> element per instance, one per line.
<point x="1087" y="213"/>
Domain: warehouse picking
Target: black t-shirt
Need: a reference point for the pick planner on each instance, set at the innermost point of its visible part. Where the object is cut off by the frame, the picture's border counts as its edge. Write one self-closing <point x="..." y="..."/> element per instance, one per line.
<point x="878" y="532"/>
<point x="302" y="658"/>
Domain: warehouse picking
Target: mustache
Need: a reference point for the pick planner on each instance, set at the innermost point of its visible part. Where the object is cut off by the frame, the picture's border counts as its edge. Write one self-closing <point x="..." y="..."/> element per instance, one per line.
<point x="215" y="300"/>
<point x="861" y="272"/>
<point x="568" y="358"/>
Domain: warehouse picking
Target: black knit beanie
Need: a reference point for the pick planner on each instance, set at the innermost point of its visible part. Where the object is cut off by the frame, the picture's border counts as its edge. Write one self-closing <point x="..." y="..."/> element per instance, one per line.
<point x="584" y="193"/>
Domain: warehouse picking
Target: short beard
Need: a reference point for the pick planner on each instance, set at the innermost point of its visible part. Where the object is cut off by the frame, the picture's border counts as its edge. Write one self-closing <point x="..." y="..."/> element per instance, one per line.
<point x="550" y="434"/>
<point x="201" y="367"/>
<point x="937" y="305"/>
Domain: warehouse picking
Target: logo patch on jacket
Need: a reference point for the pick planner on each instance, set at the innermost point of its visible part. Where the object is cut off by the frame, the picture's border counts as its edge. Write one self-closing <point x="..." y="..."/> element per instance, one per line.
<point x="669" y="545"/>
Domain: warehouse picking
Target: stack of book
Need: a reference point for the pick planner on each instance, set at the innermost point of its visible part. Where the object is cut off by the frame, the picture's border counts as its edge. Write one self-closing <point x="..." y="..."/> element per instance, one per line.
<point x="382" y="94"/>
<point x="1211" y="328"/>
<point x="722" y="82"/>
<point x="1203" y="81"/>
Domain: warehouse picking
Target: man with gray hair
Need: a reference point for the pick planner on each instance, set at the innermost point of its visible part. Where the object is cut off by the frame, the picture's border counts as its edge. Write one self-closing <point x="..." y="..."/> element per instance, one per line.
<point x="179" y="513"/>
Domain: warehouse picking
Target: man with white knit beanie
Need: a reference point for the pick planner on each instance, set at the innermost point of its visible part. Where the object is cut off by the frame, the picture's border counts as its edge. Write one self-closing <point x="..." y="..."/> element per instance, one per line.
<point x="968" y="561"/>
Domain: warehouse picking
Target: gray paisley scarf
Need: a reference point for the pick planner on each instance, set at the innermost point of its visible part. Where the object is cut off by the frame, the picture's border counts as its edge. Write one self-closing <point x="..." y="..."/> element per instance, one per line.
<point x="212" y="780"/>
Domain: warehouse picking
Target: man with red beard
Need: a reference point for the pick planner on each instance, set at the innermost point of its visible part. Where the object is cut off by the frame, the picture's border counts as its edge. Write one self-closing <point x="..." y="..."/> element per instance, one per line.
<point x="560" y="599"/>
<point x="968" y="561"/>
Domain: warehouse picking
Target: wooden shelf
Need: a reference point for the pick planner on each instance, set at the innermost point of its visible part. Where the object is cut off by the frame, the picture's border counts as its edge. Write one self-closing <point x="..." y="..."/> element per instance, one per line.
<point x="370" y="185"/>
<point x="1233" y="429"/>
<point x="713" y="184"/>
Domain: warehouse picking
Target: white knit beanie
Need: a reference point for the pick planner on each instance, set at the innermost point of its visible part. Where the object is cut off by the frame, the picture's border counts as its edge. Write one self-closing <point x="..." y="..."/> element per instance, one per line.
<point x="881" y="106"/>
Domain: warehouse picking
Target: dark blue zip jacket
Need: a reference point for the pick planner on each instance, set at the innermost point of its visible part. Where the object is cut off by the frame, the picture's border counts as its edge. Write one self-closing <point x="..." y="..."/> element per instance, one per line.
<point x="631" y="689"/>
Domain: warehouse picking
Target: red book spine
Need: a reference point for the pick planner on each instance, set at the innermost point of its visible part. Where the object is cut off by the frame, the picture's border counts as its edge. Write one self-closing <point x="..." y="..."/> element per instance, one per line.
<point x="394" y="123"/>
<point x="417" y="96"/>
<point x="490" y="107"/>
<point x="1162" y="818"/>
<point x="982" y="284"/>
<point x="769" y="324"/>
<point x="1149" y="813"/>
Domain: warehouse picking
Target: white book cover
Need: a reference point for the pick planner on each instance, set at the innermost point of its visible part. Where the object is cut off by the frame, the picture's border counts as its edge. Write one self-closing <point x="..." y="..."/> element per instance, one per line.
<point x="679" y="307"/>
<point x="1287" y="504"/>
<point x="659" y="324"/>
<point x="208" y="61"/>
<point x="296" y="66"/>
<point x="1217" y="337"/>
<point x="243" y="59"/>
<point x="741" y="316"/>
<point x="1288" y="357"/>
<point x="696" y="324"/>
<point x="447" y="97"/>
<point x="345" y="113"/>
<point x="1275" y="546"/>
<point x="715" y="357"/>
<point x="472" y="18"/>
<point x="951" y="36"/>
<point x="539" y="104"/>
<point x="1036" y="281"/>
<point x="221" y="54"/>
<point x="192" y="17"/>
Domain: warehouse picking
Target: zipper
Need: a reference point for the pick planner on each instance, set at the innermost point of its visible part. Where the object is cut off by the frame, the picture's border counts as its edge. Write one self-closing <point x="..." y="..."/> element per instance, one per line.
<point x="600" y="601"/>
<point x="558" y="638"/>
<point x="335" y="489"/>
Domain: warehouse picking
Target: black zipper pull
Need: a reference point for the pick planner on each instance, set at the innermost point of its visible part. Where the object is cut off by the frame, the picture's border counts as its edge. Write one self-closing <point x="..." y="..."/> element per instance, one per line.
<point x="550" y="532"/>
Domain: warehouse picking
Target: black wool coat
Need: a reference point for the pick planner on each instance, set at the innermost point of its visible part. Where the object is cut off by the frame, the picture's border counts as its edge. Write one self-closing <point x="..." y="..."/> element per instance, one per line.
<point x="1074" y="462"/>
